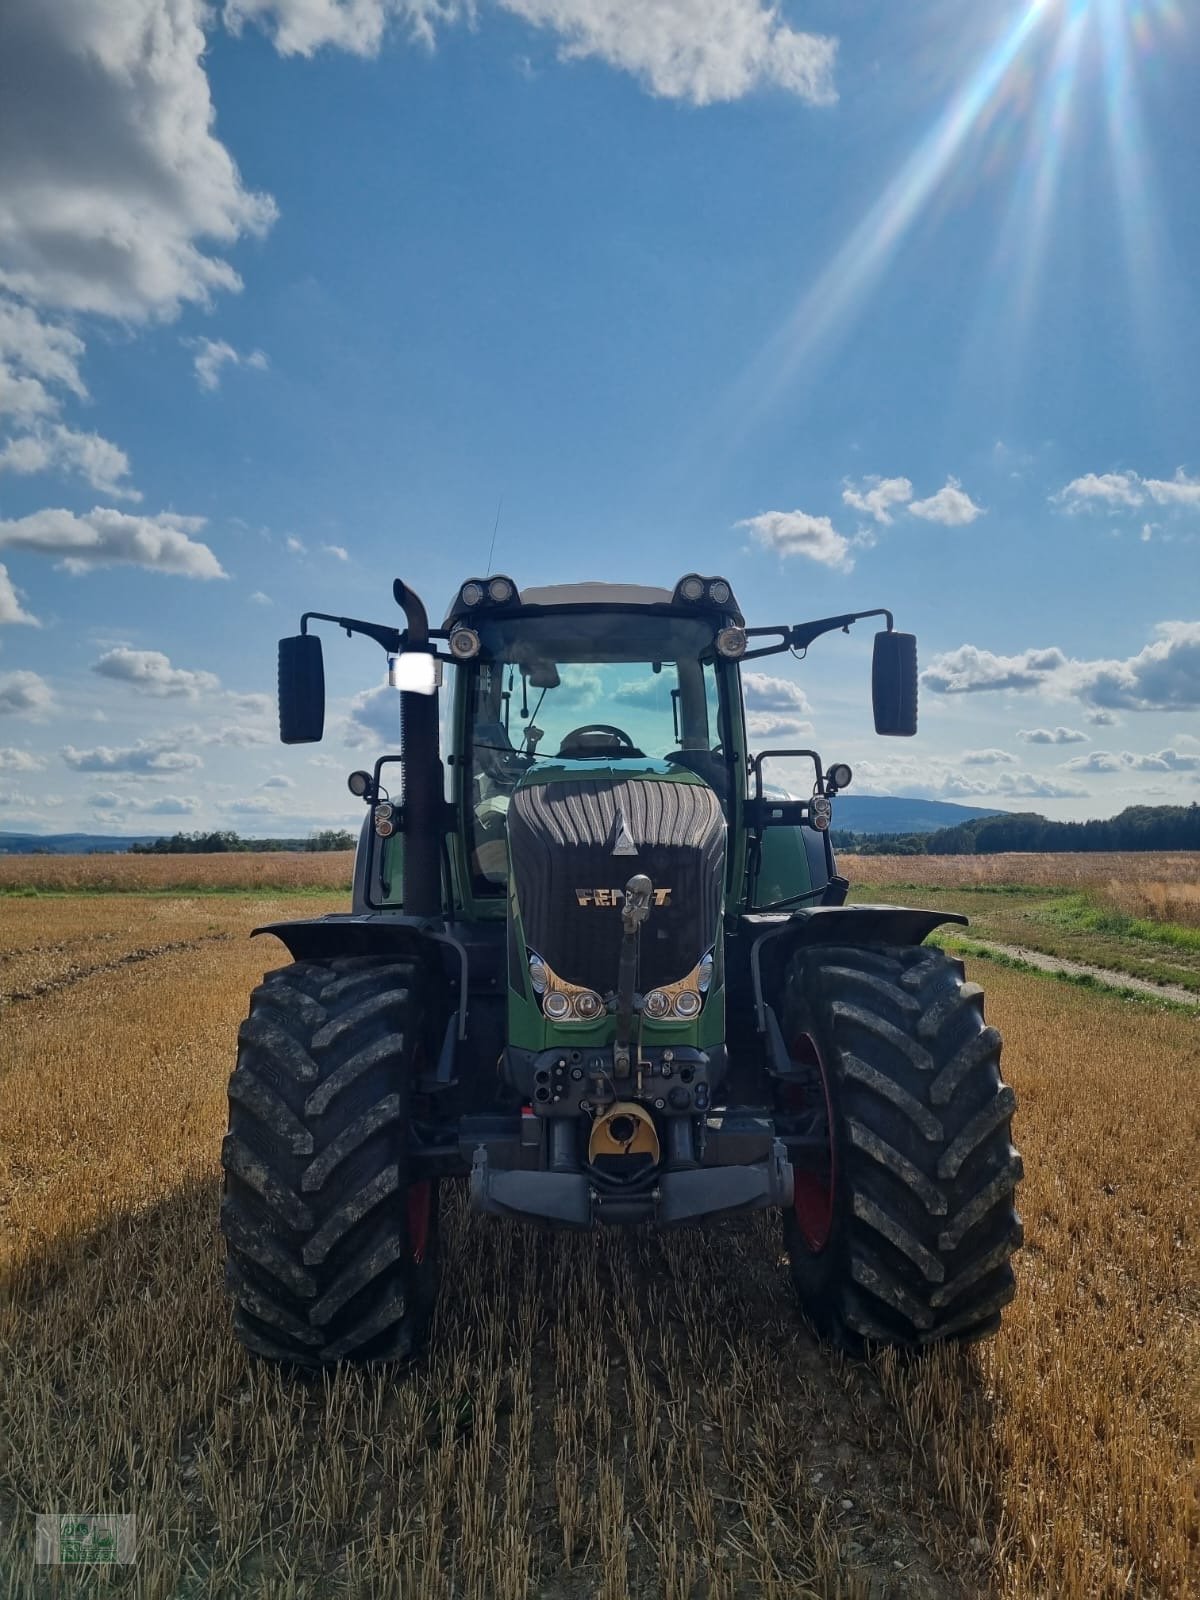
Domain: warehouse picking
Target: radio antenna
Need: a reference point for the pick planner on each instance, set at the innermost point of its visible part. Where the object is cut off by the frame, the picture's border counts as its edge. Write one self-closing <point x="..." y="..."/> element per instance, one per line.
<point x="495" y="527"/>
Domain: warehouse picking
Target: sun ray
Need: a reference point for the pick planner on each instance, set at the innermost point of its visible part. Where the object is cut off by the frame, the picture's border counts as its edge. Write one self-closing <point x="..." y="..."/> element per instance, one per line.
<point x="828" y="305"/>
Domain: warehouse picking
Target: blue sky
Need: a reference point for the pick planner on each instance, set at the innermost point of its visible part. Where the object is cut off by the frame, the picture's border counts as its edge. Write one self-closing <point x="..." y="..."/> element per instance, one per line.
<point x="859" y="304"/>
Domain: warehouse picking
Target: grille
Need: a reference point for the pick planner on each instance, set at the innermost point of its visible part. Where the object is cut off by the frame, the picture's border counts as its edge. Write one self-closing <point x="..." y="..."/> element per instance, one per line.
<point x="561" y="836"/>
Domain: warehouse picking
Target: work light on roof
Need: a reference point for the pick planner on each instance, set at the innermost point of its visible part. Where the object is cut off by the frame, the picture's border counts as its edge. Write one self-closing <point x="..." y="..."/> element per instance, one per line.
<point x="719" y="592"/>
<point x="500" y="590"/>
<point x="692" y="587"/>
<point x="472" y="594"/>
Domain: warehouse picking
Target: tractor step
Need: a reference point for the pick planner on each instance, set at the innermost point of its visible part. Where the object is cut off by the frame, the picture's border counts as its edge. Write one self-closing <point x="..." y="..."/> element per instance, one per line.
<point x="571" y="1200"/>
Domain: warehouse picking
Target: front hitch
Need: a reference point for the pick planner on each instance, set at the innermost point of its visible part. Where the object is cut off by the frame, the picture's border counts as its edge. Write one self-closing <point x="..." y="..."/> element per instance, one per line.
<point x="635" y="908"/>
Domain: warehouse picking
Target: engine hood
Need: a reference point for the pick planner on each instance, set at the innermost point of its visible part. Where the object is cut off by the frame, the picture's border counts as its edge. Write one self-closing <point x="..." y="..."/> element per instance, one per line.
<point x="579" y="830"/>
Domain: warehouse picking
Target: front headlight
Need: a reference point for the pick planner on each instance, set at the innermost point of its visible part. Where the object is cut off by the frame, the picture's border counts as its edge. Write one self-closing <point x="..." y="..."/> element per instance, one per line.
<point x="683" y="1000"/>
<point x="561" y="1001"/>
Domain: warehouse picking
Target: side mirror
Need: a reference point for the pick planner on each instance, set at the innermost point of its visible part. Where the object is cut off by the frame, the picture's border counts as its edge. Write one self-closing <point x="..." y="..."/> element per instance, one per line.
<point x="301" y="689"/>
<point x="894" y="684"/>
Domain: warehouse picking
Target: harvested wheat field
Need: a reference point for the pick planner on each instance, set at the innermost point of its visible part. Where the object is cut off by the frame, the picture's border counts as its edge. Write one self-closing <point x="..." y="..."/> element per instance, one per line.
<point x="599" y="1416"/>
<point x="265" y="870"/>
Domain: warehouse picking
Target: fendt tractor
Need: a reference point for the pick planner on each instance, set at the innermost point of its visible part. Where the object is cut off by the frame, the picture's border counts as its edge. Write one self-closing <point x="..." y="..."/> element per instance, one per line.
<point x="601" y="968"/>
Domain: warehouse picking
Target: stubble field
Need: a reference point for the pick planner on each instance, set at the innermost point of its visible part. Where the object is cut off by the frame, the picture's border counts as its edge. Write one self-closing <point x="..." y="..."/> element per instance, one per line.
<point x="598" y="1416"/>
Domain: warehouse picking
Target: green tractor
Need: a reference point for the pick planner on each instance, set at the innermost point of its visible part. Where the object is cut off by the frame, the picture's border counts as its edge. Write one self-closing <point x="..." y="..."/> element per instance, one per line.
<point x="598" y="967"/>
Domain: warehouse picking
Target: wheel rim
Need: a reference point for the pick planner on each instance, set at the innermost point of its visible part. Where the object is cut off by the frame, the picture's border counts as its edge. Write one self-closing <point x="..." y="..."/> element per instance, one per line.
<point x="420" y="1199"/>
<point x="812" y="1198"/>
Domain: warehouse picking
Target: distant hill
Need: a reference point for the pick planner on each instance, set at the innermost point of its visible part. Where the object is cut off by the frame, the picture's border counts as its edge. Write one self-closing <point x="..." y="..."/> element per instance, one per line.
<point x="882" y="814"/>
<point x="69" y="844"/>
<point x="851" y="814"/>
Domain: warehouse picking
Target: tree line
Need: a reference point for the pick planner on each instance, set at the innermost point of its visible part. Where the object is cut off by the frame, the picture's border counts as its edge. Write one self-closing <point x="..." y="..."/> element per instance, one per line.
<point x="1135" y="828"/>
<point x="203" y="844"/>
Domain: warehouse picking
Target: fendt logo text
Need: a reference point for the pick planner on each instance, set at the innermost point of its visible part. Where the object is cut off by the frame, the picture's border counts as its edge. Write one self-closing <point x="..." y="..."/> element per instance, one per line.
<point x="615" y="897"/>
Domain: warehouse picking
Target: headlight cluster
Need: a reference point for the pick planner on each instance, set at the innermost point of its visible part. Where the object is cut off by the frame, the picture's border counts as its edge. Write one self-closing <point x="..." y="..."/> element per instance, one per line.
<point x="680" y="1002"/>
<point x="498" y="590"/>
<point x="562" y="1002"/>
<point x="694" y="588"/>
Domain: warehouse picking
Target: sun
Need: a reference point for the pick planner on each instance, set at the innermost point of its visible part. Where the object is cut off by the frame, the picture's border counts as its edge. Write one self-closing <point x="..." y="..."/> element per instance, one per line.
<point x="1014" y="110"/>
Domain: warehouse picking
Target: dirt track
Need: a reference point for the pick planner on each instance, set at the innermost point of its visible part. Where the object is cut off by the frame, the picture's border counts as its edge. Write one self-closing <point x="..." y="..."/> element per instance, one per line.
<point x="1081" y="969"/>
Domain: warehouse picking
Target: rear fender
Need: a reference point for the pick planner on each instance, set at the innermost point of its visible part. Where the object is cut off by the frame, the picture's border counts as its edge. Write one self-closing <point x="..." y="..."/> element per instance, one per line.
<point x="819" y="926"/>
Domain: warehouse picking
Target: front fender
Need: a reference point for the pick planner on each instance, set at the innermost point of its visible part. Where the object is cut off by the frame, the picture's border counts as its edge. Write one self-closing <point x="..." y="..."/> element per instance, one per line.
<point x="835" y="925"/>
<point x="377" y="934"/>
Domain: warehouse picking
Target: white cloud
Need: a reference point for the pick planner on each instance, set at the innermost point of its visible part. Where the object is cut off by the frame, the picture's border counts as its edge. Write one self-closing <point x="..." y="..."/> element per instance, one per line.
<point x="103" y="537"/>
<point x="694" y="50"/>
<point x="1120" y="491"/>
<point x="11" y="609"/>
<point x="24" y="694"/>
<point x="1169" y="760"/>
<point x="775" y="725"/>
<point x="261" y="599"/>
<point x="952" y="506"/>
<point x="1113" y="489"/>
<point x="375" y="718"/>
<point x="110" y="171"/>
<point x="337" y="550"/>
<point x="239" y="737"/>
<point x="933" y="778"/>
<point x="60" y="449"/>
<point x="1059" y="735"/>
<point x="293" y="546"/>
<point x="1177" y="491"/>
<point x="278" y="780"/>
<point x="796" y="533"/>
<point x="12" y="760"/>
<point x="969" y="670"/>
<point x="988" y="758"/>
<point x="34" y="354"/>
<point x="1094" y="761"/>
<point x="213" y="354"/>
<point x="158" y="754"/>
<point x="254" y="704"/>
<point x="1025" y="786"/>
<point x="876" y="496"/>
<point x="151" y="672"/>
<point x="1165" y="676"/>
<point x="252" y="806"/>
<point x="1099" y="718"/>
<point x="765" y="693"/>
<point x="167" y="805"/>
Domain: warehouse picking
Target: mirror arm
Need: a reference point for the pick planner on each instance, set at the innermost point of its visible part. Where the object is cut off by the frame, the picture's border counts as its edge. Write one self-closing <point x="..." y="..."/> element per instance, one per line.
<point x="803" y="634"/>
<point x="391" y="639"/>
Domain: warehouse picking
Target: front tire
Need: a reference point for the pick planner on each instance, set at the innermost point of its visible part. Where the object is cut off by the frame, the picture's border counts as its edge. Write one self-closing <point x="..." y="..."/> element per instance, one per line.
<point x="905" y="1238"/>
<point x="331" y="1245"/>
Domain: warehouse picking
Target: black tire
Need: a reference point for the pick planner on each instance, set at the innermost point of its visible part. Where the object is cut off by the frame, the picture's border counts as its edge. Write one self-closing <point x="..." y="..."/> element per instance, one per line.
<point x="920" y="1224"/>
<point x="331" y="1249"/>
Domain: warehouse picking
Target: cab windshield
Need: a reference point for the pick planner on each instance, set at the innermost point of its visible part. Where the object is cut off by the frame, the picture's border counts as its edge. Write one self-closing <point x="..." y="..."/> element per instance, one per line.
<point x="587" y="688"/>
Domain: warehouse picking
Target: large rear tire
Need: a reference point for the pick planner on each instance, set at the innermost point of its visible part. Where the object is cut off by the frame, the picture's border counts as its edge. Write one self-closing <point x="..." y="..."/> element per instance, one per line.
<point x="331" y="1246"/>
<point x="906" y="1238"/>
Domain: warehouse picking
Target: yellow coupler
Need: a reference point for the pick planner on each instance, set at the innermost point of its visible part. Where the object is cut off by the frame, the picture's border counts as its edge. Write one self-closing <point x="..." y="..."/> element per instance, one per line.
<point x="625" y="1129"/>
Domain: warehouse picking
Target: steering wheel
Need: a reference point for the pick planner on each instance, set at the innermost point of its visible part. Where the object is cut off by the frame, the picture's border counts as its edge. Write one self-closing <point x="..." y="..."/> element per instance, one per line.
<point x="578" y="735"/>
